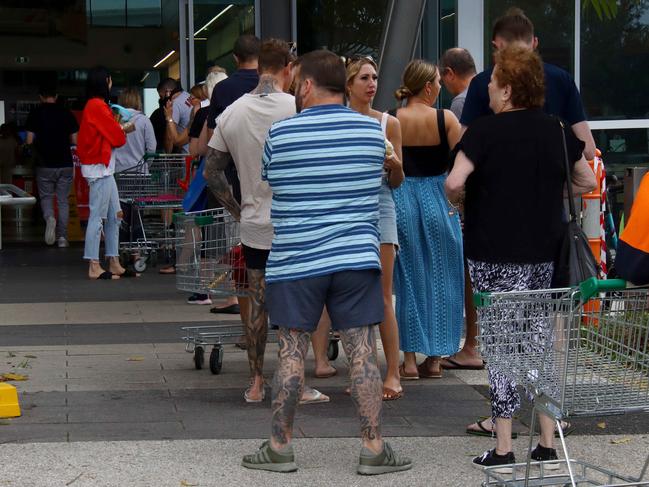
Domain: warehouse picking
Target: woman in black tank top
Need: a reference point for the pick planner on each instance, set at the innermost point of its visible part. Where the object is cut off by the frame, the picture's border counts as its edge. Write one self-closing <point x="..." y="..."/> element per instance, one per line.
<point x="428" y="276"/>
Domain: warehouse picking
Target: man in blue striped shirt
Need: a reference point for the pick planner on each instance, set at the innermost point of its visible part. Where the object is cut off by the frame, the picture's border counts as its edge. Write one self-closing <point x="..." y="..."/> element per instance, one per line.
<point x="324" y="167"/>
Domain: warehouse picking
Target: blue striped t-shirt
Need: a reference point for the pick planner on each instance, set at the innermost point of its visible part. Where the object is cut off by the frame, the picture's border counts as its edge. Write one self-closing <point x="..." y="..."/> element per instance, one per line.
<point x="324" y="167"/>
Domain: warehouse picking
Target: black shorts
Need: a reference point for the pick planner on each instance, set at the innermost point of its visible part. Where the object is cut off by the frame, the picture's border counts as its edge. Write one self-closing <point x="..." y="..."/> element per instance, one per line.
<point x="353" y="299"/>
<point x="255" y="258"/>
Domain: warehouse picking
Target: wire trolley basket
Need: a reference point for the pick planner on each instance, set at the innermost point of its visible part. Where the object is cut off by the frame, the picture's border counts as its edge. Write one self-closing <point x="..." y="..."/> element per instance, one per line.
<point x="209" y="258"/>
<point x="579" y="352"/>
<point x="153" y="189"/>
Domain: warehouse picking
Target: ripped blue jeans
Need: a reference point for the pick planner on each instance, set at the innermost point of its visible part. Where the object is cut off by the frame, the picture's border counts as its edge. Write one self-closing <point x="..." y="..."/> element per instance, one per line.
<point x="104" y="206"/>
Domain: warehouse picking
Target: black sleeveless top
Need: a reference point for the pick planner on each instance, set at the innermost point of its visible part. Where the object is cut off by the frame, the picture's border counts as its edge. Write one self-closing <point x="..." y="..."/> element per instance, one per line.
<point x="421" y="161"/>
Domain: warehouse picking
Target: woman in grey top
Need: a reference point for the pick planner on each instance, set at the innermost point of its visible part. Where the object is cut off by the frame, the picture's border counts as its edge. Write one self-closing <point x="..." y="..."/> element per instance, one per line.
<point x="141" y="140"/>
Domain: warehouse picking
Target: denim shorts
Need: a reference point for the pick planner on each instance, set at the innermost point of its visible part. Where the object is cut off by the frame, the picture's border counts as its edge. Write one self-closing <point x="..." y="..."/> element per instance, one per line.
<point x="353" y="299"/>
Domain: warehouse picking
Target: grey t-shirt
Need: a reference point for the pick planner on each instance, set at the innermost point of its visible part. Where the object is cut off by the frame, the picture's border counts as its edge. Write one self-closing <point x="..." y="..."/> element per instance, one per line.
<point x="182" y="113"/>
<point x="457" y="105"/>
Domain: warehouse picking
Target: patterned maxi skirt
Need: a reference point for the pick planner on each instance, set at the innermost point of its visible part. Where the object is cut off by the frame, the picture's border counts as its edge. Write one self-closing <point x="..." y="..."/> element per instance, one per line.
<point x="429" y="269"/>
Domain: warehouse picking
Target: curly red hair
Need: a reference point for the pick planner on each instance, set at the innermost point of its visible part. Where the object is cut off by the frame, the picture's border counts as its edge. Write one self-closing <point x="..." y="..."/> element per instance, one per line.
<point x="522" y="69"/>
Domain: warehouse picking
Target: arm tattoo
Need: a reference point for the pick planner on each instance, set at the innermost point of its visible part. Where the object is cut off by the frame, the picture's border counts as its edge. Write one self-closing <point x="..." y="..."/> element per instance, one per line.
<point x="215" y="165"/>
<point x="288" y="382"/>
<point x="257" y="326"/>
<point x="366" y="384"/>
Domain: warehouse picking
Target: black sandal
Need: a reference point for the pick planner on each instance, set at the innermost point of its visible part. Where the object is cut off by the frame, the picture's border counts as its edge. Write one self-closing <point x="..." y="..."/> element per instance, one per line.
<point x="484" y="431"/>
<point x="129" y="273"/>
<point x="105" y="276"/>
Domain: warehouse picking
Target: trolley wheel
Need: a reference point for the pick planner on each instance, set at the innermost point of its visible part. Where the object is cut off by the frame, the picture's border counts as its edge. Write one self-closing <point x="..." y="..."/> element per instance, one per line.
<point x="153" y="258"/>
<point x="216" y="360"/>
<point x="199" y="358"/>
<point x="332" y="350"/>
<point x="140" y="264"/>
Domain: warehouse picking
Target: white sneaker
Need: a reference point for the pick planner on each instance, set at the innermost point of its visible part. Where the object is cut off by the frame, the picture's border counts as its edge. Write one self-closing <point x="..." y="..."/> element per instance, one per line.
<point x="62" y="242"/>
<point x="50" y="231"/>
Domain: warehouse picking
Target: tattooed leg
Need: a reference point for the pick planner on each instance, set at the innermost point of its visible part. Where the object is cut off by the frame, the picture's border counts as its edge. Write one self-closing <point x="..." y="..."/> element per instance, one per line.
<point x="366" y="384"/>
<point x="256" y="328"/>
<point x="288" y="384"/>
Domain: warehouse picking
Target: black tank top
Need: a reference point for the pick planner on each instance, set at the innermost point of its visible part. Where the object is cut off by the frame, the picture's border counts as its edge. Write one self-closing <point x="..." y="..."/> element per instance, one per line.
<point x="420" y="161"/>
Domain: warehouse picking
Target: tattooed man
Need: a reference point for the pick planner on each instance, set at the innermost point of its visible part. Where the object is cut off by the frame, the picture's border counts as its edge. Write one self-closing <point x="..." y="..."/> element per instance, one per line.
<point x="239" y="136"/>
<point x="324" y="167"/>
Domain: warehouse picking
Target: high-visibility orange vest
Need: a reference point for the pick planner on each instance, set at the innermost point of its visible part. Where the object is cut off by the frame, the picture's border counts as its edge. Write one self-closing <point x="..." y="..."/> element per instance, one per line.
<point x="632" y="258"/>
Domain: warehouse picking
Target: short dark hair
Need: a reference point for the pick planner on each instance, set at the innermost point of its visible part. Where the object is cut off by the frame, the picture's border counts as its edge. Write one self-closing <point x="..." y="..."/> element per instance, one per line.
<point x="514" y="26"/>
<point x="274" y="55"/>
<point x="246" y="48"/>
<point x="47" y="89"/>
<point x="459" y="60"/>
<point x="169" y="84"/>
<point x="325" y="69"/>
<point x="97" y="83"/>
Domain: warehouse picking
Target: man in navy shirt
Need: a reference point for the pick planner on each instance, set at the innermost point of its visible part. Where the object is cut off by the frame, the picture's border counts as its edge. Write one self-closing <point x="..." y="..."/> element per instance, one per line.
<point x="243" y="80"/>
<point x="561" y="96"/>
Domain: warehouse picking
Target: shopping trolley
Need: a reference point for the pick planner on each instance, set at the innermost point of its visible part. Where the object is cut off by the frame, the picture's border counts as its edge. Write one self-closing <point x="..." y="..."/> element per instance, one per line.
<point x="209" y="260"/>
<point x="153" y="189"/>
<point x="579" y="352"/>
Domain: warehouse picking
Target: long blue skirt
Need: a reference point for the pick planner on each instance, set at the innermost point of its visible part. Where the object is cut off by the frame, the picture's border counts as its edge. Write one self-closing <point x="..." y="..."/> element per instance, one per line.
<point x="429" y="269"/>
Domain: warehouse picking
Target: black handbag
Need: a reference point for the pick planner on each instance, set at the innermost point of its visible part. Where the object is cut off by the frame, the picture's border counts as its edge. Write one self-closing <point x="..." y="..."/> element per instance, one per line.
<point x="576" y="261"/>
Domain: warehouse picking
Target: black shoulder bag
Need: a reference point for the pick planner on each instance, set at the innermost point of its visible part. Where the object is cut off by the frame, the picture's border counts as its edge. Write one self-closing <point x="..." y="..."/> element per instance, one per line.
<point x="576" y="261"/>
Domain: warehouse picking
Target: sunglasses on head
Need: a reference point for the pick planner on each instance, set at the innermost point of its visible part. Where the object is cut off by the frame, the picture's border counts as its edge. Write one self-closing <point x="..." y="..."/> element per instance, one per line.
<point x="356" y="58"/>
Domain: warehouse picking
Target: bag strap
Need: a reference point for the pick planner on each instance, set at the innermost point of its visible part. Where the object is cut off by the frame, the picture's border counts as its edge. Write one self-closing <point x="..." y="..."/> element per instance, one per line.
<point x="571" y="198"/>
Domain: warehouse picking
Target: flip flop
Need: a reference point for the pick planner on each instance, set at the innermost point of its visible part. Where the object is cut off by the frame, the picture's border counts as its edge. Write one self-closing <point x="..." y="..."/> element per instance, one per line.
<point x="484" y="431"/>
<point x="567" y="429"/>
<point x="406" y="376"/>
<point x="449" y="363"/>
<point x="232" y="309"/>
<point x="168" y="270"/>
<point x="105" y="276"/>
<point x="327" y="375"/>
<point x="425" y="374"/>
<point x="129" y="273"/>
<point x="317" y="399"/>
<point x="246" y="397"/>
<point x="391" y="394"/>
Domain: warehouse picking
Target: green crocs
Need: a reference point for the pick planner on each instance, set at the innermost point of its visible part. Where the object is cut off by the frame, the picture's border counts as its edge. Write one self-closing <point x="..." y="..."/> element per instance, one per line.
<point x="385" y="462"/>
<point x="268" y="459"/>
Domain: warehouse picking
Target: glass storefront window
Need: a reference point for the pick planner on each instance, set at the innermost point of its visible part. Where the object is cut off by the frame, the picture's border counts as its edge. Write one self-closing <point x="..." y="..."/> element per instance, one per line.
<point x="217" y="24"/>
<point x="554" y="25"/>
<point x="345" y="27"/>
<point x="124" y="13"/>
<point x="614" y="60"/>
<point x="447" y="39"/>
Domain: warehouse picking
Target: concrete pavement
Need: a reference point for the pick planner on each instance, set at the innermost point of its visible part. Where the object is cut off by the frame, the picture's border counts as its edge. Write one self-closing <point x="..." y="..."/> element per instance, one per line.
<point x="112" y="398"/>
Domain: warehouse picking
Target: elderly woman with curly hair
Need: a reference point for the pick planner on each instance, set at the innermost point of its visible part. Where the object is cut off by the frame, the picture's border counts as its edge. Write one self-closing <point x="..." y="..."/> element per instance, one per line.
<point x="511" y="165"/>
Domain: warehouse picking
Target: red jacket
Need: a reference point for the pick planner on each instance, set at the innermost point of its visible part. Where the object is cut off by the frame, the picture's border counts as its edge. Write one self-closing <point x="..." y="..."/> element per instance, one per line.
<point x="99" y="133"/>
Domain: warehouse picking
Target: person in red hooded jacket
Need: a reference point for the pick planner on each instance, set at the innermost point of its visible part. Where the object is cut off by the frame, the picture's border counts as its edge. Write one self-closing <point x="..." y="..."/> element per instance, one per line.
<point x="99" y="134"/>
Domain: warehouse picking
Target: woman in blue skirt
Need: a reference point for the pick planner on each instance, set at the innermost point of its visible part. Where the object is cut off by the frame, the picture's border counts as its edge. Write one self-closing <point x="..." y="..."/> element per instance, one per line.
<point x="429" y="272"/>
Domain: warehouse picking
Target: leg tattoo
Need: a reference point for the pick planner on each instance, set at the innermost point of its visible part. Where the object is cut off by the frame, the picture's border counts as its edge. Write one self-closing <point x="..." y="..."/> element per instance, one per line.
<point x="257" y="324"/>
<point x="366" y="383"/>
<point x="288" y="383"/>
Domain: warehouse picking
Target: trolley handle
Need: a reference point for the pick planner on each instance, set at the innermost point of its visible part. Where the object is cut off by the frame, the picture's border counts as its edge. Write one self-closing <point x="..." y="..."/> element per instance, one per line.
<point x="592" y="286"/>
<point x="149" y="155"/>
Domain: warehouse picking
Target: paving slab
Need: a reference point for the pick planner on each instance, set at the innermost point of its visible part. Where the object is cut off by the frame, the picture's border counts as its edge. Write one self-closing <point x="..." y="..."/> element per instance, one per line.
<point x="440" y="462"/>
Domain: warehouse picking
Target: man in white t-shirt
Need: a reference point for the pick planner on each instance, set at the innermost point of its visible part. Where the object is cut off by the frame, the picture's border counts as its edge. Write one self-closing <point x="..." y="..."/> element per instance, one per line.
<point x="239" y="135"/>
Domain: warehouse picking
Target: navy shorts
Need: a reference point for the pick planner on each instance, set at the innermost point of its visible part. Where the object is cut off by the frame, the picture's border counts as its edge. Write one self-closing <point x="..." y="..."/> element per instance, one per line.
<point x="353" y="299"/>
